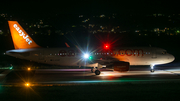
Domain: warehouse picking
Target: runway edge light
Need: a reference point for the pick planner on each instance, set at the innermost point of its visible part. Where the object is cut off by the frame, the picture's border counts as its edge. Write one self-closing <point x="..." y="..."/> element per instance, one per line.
<point x="27" y="84"/>
<point x="29" y="68"/>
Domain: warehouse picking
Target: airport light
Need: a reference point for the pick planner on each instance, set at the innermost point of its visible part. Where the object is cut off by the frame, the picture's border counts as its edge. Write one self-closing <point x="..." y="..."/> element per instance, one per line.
<point x="27" y="84"/>
<point x="11" y="68"/>
<point x="29" y="69"/>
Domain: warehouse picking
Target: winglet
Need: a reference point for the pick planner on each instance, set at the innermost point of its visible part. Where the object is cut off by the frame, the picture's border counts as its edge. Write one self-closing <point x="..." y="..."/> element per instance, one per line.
<point x="20" y="37"/>
<point x="67" y="45"/>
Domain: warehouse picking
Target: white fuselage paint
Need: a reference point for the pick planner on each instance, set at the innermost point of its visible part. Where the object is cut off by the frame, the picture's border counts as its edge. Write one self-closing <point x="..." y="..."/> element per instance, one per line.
<point x="71" y="57"/>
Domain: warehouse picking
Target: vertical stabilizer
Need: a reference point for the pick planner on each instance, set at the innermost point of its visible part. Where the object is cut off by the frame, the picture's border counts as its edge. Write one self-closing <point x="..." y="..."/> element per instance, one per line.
<point x="20" y="38"/>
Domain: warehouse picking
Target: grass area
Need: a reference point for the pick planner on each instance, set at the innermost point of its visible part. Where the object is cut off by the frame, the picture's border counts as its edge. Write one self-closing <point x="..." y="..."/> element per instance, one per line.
<point x="95" y="92"/>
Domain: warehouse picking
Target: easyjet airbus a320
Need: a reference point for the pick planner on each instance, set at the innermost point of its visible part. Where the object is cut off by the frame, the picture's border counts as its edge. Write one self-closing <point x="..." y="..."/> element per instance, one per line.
<point x="120" y="58"/>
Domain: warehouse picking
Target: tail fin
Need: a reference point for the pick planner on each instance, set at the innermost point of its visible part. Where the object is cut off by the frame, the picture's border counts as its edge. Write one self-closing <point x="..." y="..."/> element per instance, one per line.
<point x="20" y="38"/>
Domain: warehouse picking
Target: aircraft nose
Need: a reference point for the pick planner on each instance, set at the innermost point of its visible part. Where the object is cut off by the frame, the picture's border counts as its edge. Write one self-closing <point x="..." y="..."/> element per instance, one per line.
<point x="171" y="58"/>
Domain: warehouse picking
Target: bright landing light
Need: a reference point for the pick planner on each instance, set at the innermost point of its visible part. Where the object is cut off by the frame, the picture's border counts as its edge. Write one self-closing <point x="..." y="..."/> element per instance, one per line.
<point x="27" y="84"/>
<point x="86" y="56"/>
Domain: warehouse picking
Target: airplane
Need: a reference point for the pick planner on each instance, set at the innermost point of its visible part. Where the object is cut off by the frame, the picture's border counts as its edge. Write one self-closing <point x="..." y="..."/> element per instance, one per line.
<point x="120" y="59"/>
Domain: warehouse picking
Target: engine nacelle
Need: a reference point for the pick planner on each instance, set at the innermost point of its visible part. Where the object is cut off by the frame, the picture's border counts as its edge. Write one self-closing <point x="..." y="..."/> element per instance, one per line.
<point x="121" y="66"/>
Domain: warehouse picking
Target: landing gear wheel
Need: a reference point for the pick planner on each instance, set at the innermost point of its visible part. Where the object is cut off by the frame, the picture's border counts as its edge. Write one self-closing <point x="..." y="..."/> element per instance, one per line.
<point x="97" y="72"/>
<point x="152" y="70"/>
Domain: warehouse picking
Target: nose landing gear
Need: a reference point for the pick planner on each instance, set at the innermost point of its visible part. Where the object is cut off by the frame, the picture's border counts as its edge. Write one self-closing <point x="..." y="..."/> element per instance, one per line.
<point x="152" y="68"/>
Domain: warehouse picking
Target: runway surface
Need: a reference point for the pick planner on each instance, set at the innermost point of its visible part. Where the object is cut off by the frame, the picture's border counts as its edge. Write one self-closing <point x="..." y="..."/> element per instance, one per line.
<point x="84" y="76"/>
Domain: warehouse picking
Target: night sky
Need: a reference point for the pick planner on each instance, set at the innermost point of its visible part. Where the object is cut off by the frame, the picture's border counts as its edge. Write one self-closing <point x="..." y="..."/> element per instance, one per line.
<point x="47" y="8"/>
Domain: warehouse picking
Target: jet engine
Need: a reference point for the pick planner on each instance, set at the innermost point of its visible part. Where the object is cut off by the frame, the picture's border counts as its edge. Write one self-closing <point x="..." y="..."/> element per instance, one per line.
<point x="121" y="66"/>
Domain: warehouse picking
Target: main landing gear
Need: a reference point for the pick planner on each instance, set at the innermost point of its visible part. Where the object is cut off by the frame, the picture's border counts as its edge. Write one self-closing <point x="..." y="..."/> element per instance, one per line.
<point x="95" y="70"/>
<point x="92" y="70"/>
<point x="152" y="68"/>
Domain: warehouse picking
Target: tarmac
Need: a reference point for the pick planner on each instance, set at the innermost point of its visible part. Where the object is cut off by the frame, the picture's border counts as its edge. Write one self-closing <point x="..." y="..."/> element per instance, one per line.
<point x="60" y="77"/>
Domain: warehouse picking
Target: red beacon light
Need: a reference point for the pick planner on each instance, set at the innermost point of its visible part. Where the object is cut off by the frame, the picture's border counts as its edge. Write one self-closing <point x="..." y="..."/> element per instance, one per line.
<point x="106" y="46"/>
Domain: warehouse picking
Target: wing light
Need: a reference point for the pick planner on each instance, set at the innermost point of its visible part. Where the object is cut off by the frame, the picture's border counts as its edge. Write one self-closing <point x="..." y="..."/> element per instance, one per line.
<point x="86" y="55"/>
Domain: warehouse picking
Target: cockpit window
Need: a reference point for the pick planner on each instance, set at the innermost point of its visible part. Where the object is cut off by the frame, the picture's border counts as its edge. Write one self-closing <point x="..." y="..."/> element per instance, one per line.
<point x="164" y="52"/>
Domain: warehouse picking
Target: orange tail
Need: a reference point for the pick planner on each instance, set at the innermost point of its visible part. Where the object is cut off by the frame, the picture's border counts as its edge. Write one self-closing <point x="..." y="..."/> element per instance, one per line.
<point x="20" y="38"/>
